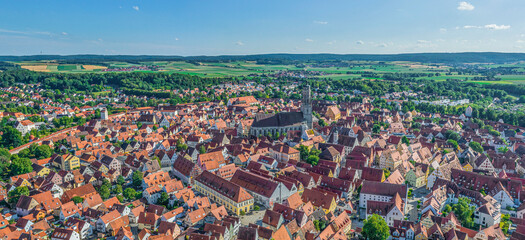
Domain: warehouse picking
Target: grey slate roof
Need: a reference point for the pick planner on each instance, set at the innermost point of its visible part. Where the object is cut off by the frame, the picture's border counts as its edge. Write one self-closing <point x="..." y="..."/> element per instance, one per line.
<point x="281" y="119"/>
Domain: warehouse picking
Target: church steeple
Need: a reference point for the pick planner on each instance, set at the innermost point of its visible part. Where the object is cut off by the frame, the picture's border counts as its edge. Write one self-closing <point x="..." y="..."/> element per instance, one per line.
<point x="306" y="106"/>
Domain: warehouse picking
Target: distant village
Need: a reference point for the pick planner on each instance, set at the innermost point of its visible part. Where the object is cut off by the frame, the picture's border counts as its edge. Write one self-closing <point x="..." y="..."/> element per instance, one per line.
<point x="252" y="168"/>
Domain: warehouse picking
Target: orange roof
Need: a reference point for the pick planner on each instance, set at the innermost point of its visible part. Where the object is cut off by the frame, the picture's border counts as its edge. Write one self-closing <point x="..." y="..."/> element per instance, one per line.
<point x="111" y="216"/>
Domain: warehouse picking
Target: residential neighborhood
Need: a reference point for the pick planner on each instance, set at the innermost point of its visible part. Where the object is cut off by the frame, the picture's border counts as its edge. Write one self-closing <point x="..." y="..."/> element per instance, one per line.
<point x="249" y="168"/>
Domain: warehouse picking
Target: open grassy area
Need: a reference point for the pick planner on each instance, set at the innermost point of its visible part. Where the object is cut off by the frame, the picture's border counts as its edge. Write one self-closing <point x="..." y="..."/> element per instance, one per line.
<point x="489" y="82"/>
<point x="68" y="67"/>
<point x="351" y="70"/>
<point x="519" y="79"/>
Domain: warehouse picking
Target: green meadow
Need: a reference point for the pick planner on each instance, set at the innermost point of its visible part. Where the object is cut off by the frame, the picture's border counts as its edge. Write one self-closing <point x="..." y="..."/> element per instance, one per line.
<point x="335" y="71"/>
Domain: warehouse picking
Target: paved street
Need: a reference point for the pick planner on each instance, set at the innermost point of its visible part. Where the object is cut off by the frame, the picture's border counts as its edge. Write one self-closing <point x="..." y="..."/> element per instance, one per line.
<point x="418" y="194"/>
<point x="252" y="217"/>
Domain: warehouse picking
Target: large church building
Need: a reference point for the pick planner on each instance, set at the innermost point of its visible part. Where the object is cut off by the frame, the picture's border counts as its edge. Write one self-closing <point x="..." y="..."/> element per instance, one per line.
<point x="285" y="121"/>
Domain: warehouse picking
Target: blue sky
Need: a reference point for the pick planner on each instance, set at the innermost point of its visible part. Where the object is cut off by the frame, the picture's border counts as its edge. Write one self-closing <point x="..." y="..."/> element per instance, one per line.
<point x="198" y="27"/>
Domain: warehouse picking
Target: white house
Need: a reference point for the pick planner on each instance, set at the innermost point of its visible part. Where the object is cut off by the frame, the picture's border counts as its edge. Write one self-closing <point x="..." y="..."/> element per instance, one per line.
<point x="25" y="126"/>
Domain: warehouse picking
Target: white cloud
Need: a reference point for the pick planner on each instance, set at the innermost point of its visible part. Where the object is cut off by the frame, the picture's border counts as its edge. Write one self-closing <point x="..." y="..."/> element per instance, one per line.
<point x="384" y="45"/>
<point x="423" y="41"/>
<point x="520" y="41"/>
<point x="176" y="39"/>
<point x="321" y="22"/>
<point x="136" y="8"/>
<point x="360" y="42"/>
<point x="309" y="40"/>
<point x="64" y="33"/>
<point x="465" y="6"/>
<point x="331" y="42"/>
<point x="26" y="32"/>
<point x="489" y="26"/>
<point x="497" y="27"/>
<point x="239" y="43"/>
<point x="442" y="30"/>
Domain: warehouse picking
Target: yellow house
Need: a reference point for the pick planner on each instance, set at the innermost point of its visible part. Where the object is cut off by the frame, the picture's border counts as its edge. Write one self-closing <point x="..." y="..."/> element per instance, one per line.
<point x="223" y="192"/>
<point x="24" y="183"/>
<point x="92" y="180"/>
<point x="103" y="168"/>
<point x="331" y="207"/>
<point x="333" y="113"/>
<point x="40" y="215"/>
<point x="41" y="171"/>
<point x="467" y="167"/>
<point x="66" y="162"/>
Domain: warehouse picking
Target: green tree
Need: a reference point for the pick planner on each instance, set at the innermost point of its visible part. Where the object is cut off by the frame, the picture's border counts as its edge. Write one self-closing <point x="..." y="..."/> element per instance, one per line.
<point x="11" y="137"/>
<point x="130" y="193"/>
<point x="476" y="146"/>
<point x="405" y="140"/>
<point x="136" y="179"/>
<point x="5" y="163"/>
<point x="314" y="160"/>
<point x="181" y="146"/>
<point x="463" y="211"/>
<point x="376" y="128"/>
<point x="505" y="223"/>
<point x="43" y="151"/>
<point x="77" y="199"/>
<point x="202" y="149"/>
<point x="494" y="133"/>
<point x="503" y="149"/>
<point x="322" y="123"/>
<point x="163" y="199"/>
<point x="117" y="189"/>
<point x="453" y="143"/>
<point x="121" y="180"/>
<point x="375" y="228"/>
<point x="449" y="134"/>
<point x="16" y="193"/>
<point x="21" y="165"/>
<point x="104" y="191"/>
<point x="303" y="152"/>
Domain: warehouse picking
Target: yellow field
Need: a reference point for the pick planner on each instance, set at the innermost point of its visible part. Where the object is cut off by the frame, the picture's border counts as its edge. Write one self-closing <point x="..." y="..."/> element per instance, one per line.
<point x="93" y="67"/>
<point x="36" y="68"/>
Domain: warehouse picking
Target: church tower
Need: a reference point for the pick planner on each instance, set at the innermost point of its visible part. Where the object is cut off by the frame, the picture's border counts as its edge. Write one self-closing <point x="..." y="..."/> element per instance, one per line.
<point x="306" y="106"/>
<point x="104" y="114"/>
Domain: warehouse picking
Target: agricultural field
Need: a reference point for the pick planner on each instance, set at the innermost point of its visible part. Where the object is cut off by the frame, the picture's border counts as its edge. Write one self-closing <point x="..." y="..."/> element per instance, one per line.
<point x="55" y="67"/>
<point x="324" y="70"/>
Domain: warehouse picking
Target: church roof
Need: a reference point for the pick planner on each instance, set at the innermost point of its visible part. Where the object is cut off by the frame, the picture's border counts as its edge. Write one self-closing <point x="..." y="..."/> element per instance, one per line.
<point x="281" y="119"/>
